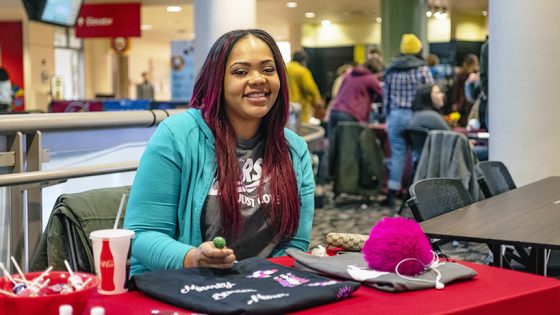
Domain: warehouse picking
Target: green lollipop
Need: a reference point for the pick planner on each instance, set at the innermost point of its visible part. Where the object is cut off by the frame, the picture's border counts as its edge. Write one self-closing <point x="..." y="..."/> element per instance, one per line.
<point x="219" y="242"/>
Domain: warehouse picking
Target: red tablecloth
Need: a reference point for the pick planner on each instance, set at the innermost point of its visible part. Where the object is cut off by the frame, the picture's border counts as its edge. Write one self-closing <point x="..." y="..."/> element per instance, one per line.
<point x="492" y="291"/>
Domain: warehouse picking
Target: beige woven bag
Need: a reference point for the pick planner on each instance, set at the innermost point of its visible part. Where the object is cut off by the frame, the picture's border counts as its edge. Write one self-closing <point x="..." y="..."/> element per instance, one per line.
<point x="347" y="241"/>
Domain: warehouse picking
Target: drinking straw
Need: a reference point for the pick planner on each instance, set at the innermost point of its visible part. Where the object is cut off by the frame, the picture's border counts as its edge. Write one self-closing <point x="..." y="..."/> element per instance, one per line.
<point x="18" y="268"/>
<point x="119" y="212"/>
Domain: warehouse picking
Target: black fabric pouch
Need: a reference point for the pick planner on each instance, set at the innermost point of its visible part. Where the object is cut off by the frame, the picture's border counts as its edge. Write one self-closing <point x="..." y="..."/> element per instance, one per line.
<point x="252" y="286"/>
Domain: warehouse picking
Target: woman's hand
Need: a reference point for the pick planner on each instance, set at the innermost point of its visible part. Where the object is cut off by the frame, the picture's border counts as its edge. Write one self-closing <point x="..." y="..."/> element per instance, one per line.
<point x="473" y="77"/>
<point x="206" y="255"/>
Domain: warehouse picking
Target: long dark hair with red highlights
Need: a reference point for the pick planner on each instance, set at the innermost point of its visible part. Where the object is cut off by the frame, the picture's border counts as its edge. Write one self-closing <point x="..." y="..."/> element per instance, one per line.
<point x="283" y="209"/>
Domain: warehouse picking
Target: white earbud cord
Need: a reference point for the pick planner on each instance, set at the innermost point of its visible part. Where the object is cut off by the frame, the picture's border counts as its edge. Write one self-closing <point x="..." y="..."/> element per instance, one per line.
<point x="432" y="266"/>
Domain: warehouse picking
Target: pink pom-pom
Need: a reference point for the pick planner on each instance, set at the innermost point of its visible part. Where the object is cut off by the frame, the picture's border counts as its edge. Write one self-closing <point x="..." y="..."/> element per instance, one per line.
<point x="393" y="239"/>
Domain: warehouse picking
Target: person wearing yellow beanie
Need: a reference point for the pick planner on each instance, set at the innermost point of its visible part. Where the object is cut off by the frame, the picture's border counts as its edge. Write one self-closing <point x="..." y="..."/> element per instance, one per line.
<point x="410" y="44"/>
<point x="402" y="78"/>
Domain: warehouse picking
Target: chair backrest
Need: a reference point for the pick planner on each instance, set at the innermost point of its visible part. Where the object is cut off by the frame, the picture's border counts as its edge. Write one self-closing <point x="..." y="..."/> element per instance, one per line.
<point x="73" y="218"/>
<point x="447" y="154"/>
<point x="495" y="179"/>
<point x="416" y="137"/>
<point x="355" y="160"/>
<point x="435" y="196"/>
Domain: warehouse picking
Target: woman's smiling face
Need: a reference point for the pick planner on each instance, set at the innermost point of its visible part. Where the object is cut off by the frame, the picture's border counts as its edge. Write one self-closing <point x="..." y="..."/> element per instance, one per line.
<point x="251" y="81"/>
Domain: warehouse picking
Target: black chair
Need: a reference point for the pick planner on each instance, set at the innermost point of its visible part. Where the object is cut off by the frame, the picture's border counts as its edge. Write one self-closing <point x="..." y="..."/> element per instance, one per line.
<point x="436" y="196"/>
<point x="355" y="161"/>
<point x="448" y="154"/>
<point x="415" y="138"/>
<point x="495" y="178"/>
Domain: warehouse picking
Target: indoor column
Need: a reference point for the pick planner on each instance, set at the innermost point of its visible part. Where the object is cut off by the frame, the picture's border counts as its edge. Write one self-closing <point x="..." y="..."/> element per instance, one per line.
<point x="524" y="104"/>
<point x="212" y="18"/>
<point x="400" y="17"/>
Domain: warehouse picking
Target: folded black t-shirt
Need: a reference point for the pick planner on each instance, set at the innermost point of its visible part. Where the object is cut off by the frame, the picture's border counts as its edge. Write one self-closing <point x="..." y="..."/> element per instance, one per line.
<point x="252" y="286"/>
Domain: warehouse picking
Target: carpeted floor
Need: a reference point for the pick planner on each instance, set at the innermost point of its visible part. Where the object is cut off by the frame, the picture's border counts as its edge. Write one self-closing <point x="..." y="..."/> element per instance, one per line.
<point x="349" y="214"/>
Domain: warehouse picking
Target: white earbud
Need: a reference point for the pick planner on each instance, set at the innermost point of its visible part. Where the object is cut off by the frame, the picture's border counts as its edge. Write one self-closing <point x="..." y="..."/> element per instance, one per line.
<point x="432" y="266"/>
<point x="439" y="284"/>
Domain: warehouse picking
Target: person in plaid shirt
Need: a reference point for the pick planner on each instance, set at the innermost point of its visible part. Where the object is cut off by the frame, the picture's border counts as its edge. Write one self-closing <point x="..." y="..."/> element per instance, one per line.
<point x="405" y="74"/>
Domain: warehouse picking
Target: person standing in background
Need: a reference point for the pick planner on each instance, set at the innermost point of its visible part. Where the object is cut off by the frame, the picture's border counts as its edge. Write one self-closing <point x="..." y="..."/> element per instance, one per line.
<point x="302" y="87"/>
<point x="374" y="63"/>
<point x="353" y="102"/>
<point x="145" y="90"/>
<point x="6" y="92"/>
<point x="458" y="99"/>
<point x="483" y="109"/>
<point x="402" y="78"/>
<point x="341" y="72"/>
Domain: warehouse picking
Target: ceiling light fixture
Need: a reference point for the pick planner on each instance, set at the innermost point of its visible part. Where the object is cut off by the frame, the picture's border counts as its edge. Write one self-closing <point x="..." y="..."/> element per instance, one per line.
<point x="439" y="13"/>
<point x="326" y="23"/>
<point x="291" y="4"/>
<point x="485" y="13"/>
<point x="309" y="15"/>
<point x="378" y="20"/>
<point x="174" y="9"/>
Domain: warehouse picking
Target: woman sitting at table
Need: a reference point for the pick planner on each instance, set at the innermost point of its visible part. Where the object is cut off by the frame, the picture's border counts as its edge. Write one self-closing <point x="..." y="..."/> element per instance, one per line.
<point x="226" y="167"/>
<point x="428" y="101"/>
<point x="426" y="105"/>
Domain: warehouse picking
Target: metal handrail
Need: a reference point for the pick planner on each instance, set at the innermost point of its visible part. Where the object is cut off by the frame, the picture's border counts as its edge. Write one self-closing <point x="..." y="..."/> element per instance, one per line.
<point x="66" y="173"/>
<point x="100" y="169"/>
<point x="317" y="134"/>
<point x="85" y="120"/>
<point x="24" y="230"/>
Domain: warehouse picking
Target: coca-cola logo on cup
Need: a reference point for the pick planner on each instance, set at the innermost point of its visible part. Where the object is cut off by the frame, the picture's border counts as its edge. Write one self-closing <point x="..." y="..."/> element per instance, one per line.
<point x="107" y="263"/>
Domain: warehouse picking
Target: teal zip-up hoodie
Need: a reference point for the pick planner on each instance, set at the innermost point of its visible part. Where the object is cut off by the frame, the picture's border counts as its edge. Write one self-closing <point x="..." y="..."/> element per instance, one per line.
<point x="171" y="186"/>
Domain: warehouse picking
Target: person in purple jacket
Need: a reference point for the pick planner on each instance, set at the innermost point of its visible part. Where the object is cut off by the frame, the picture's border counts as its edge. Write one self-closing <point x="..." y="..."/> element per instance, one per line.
<point x="359" y="89"/>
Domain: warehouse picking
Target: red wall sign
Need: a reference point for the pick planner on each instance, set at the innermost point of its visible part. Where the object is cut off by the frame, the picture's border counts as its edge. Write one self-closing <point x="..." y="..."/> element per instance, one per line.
<point x="109" y="20"/>
<point x="11" y="58"/>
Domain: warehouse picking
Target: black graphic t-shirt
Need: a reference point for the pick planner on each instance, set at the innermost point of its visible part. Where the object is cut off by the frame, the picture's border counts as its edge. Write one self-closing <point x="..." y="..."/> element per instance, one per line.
<point x="252" y="286"/>
<point x="256" y="236"/>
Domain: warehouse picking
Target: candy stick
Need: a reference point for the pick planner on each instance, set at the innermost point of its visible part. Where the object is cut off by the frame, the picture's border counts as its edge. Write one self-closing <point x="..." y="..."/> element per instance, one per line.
<point x="85" y="283"/>
<point x="19" y="280"/>
<point x="75" y="280"/>
<point x="7" y="293"/>
<point x="44" y="273"/>
<point x="36" y="280"/>
<point x="6" y="273"/>
<point x="18" y="268"/>
<point x="68" y="267"/>
<point x="45" y="283"/>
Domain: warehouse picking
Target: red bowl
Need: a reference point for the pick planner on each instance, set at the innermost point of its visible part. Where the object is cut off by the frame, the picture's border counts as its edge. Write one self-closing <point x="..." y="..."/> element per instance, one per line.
<point x="47" y="304"/>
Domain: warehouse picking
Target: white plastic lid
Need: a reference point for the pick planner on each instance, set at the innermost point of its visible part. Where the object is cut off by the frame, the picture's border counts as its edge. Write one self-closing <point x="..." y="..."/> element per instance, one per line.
<point x="111" y="233"/>
<point x="65" y="309"/>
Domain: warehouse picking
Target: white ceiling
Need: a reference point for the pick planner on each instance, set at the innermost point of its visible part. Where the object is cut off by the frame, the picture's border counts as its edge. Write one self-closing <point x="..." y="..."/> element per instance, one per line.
<point x="272" y="15"/>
